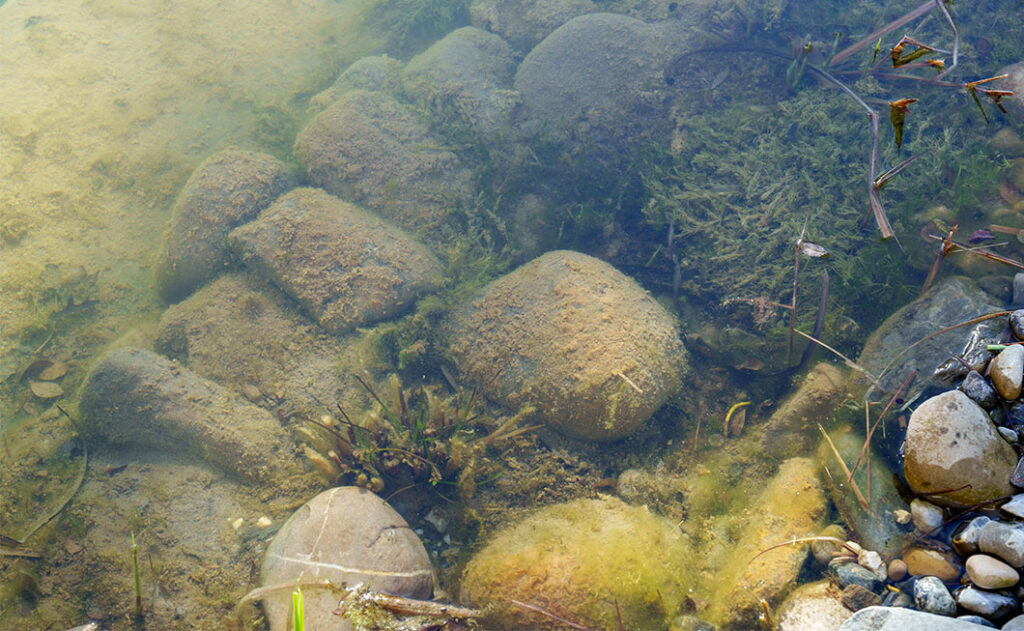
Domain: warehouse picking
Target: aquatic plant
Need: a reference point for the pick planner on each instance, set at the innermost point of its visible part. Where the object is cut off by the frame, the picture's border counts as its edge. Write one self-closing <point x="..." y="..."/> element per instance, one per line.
<point x="410" y="439"/>
<point x="298" y="611"/>
<point x="138" y="580"/>
<point x="412" y="25"/>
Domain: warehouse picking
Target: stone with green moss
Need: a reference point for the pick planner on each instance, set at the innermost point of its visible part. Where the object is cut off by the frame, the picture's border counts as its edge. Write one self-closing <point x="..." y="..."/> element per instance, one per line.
<point x="582" y="560"/>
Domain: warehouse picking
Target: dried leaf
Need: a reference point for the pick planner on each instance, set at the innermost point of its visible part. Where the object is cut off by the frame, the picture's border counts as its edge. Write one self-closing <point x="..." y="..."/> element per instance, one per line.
<point x="897" y="113"/>
<point x="812" y="250"/>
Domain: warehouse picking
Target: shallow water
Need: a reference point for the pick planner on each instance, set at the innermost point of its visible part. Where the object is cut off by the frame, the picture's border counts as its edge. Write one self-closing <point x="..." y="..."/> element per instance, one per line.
<point x="106" y="107"/>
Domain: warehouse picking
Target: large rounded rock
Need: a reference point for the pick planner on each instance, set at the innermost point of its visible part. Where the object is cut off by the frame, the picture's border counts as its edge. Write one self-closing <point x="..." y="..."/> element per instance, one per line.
<point x="136" y="397"/>
<point x="346" y="536"/>
<point x="598" y="81"/>
<point x="953" y="446"/>
<point x="228" y="189"/>
<point x="584" y="560"/>
<point x="465" y="81"/>
<point x="370" y="149"/>
<point x="344" y="265"/>
<point x="595" y="353"/>
<point x="378" y="73"/>
<point x="524" y="23"/>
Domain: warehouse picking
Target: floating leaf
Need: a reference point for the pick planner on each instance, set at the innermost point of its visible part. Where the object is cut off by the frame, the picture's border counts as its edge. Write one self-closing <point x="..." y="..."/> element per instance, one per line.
<point x="897" y="114"/>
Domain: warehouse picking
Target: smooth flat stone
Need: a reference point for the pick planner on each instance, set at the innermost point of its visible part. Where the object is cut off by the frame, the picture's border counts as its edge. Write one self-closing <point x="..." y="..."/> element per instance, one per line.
<point x="988" y="572"/>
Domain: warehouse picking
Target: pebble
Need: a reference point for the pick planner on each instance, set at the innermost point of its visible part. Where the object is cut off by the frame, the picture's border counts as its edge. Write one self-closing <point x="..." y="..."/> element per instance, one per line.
<point x="1003" y="540"/>
<point x="53" y="372"/>
<point x="930" y="595"/>
<point x="1017" y="622"/>
<point x="1017" y="477"/>
<point x="981" y="391"/>
<point x="988" y="604"/>
<point x="990" y="573"/>
<point x="1014" y="507"/>
<point x="1017" y="317"/>
<point x="46" y="389"/>
<point x="896" y="619"/>
<point x="977" y="620"/>
<point x="897" y="570"/>
<point x="927" y="516"/>
<point x="965" y="537"/>
<point x="1007" y="371"/>
<point x="857" y="597"/>
<point x="932" y="563"/>
<point x="1009" y="435"/>
<point x="849" y="573"/>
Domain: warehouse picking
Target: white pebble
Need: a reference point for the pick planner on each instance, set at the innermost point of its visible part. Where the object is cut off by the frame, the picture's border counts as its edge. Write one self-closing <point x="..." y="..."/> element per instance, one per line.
<point x="926" y="516"/>
<point x="263" y="522"/>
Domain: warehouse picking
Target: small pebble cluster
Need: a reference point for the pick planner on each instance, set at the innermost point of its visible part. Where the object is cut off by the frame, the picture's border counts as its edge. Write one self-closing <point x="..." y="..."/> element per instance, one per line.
<point x="962" y="453"/>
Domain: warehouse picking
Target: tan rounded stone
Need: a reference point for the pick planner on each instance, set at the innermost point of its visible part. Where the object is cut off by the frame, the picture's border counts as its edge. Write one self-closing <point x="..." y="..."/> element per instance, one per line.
<point x="932" y="563"/>
<point x="990" y="573"/>
<point x="953" y="448"/>
<point x="1007" y="371"/>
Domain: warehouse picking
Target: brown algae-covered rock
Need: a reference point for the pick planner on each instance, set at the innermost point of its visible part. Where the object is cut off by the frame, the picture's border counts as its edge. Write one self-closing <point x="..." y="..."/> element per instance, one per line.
<point x="348" y="536"/>
<point x="228" y="189"/>
<point x="577" y="338"/>
<point x="953" y="447"/>
<point x="344" y="265"/>
<point x="581" y="560"/>
<point x="248" y="336"/>
<point x="792" y="505"/>
<point x="372" y="150"/>
<point x="136" y="397"/>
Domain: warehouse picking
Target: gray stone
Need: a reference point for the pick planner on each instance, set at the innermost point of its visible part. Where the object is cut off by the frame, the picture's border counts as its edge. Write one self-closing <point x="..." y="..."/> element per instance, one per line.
<point x="927" y="516"/>
<point x="951" y="301"/>
<point x="877" y="529"/>
<point x="979" y="389"/>
<point x="985" y="603"/>
<point x="136" y="397"/>
<point x="977" y="620"/>
<point x="850" y="573"/>
<point x="1017" y="317"/>
<point x="1017" y="477"/>
<point x="1004" y="540"/>
<point x="226" y="190"/>
<point x="931" y="595"/>
<point x="951" y="443"/>
<point x="1014" y="507"/>
<point x="465" y="81"/>
<point x="811" y="606"/>
<point x="348" y="536"/>
<point x="965" y="537"/>
<point x="344" y="265"/>
<point x="525" y="23"/>
<point x="574" y="337"/>
<point x="1007" y="371"/>
<point x="899" y="619"/>
<point x="597" y="84"/>
<point x="1015" y="623"/>
<point x="990" y="573"/>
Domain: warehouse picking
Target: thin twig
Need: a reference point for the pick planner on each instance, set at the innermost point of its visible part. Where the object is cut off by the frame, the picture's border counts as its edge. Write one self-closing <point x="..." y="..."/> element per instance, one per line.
<point x="849" y="362"/>
<point x="853" y="483"/>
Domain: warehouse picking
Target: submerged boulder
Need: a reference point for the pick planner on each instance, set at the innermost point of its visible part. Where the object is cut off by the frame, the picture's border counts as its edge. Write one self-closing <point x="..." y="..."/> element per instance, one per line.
<point x="378" y="73"/>
<point x="524" y="23"/>
<point x="465" y="81"/>
<point x="228" y="189"/>
<point x="598" y="82"/>
<point x="586" y="560"/>
<point x="344" y="265"/>
<point x="570" y="334"/>
<point x="347" y="536"/>
<point x="248" y="336"/>
<point x="370" y="149"/>
<point x="136" y="397"/>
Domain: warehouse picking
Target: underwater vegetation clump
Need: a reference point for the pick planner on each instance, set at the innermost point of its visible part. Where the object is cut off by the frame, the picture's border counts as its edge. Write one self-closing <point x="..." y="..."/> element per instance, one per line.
<point x="411" y="440"/>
